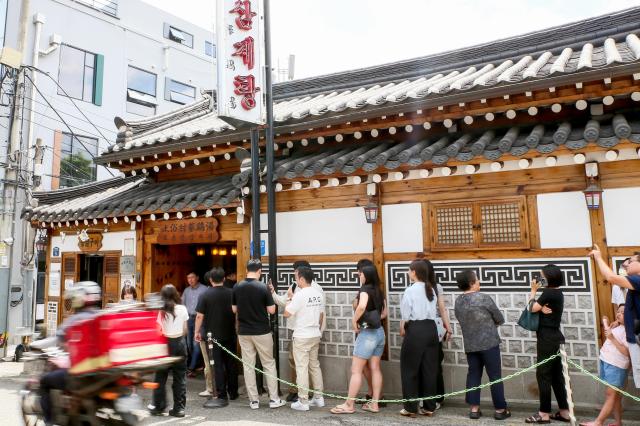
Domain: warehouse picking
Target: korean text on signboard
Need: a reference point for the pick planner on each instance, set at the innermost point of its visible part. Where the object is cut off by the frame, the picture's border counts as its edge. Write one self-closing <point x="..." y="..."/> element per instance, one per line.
<point x="240" y="37"/>
<point x="186" y="231"/>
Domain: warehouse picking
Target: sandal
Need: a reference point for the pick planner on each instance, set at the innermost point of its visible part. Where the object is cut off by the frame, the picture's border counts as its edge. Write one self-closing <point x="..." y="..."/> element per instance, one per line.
<point x="558" y="417"/>
<point x="537" y="419"/>
<point x="475" y="415"/>
<point x="367" y="407"/>
<point x="502" y="415"/>
<point x="406" y="413"/>
<point x="424" y="412"/>
<point x="342" y="409"/>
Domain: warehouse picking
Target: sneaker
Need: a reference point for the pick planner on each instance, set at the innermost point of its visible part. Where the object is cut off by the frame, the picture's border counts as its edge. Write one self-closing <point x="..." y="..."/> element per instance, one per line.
<point x="299" y="406"/>
<point x="205" y="393"/>
<point x="317" y="402"/>
<point x="276" y="404"/>
<point x="254" y="405"/>
<point x="438" y="406"/>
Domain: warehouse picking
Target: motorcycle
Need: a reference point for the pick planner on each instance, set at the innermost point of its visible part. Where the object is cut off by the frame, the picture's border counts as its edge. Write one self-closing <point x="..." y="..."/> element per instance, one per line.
<point x="106" y="397"/>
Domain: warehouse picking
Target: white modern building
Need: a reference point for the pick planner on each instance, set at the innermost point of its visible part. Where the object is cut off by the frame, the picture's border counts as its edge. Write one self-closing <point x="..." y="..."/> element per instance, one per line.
<point x="92" y="60"/>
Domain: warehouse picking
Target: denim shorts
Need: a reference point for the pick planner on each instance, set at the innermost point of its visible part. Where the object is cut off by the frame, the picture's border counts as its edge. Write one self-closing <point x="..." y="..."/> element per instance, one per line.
<point x="613" y="375"/>
<point x="370" y="342"/>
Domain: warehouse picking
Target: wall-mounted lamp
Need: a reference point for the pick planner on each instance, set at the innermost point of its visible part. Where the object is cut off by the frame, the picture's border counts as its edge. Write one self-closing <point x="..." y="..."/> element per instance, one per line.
<point x="372" y="209"/>
<point x="200" y="251"/>
<point x="593" y="194"/>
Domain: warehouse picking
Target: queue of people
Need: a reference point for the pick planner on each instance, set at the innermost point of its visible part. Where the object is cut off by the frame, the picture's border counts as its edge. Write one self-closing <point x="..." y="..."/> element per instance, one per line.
<point x="240" y="313"/>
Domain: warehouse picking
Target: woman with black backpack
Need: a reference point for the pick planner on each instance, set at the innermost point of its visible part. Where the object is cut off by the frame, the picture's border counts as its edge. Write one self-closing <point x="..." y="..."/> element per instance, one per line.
<point x="370" y="340"/>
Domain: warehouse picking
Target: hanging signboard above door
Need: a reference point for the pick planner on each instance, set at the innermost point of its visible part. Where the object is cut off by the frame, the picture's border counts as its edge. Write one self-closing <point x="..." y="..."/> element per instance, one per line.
<point x="90" y="241"/>
<point x="187" y="231"/>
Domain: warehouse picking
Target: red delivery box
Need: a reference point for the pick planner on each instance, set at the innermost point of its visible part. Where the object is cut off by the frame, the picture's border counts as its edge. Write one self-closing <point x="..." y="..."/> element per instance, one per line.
<point x="111" y="339"/>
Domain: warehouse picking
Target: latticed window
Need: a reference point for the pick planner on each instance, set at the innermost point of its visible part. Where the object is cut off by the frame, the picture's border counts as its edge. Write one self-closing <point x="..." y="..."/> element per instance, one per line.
<point x="480" y="224"/>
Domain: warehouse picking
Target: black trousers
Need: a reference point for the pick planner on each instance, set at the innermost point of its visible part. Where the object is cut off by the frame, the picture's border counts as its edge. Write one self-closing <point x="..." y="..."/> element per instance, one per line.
<point x="56" y="379"/>
<point x="440" y="378"/>
<point x="177" y="347"/>
<point x="226" y="368"/>
<point x="419" y="363"/>
<point x="549" y="375"/>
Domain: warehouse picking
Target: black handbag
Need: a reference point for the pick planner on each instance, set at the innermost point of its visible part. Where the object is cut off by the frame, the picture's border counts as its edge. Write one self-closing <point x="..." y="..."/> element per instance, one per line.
<point x="529" y="320"/>
<point x="371" y="319"/>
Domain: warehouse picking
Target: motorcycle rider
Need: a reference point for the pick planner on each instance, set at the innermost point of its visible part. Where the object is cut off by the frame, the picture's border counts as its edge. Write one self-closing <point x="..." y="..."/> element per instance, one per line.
<point x="86" y="300"/>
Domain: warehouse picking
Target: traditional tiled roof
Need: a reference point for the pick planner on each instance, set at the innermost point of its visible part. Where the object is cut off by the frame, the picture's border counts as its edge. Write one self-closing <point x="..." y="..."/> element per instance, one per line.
<point x="133" y="197"/>
<point x="601" y="44"/>
<point x="492" y="144"/>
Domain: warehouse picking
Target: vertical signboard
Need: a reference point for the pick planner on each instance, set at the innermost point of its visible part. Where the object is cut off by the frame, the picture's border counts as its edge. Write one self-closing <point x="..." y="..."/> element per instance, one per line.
<point x="241" y="79"/>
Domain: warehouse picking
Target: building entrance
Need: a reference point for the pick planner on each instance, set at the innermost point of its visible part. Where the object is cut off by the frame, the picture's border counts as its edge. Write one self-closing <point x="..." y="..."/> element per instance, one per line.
<point x="172" y="263"/>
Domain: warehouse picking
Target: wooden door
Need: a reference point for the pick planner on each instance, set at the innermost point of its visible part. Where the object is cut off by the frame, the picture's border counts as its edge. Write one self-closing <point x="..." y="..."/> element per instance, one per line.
<point x="70" y="272"/>
<point x="111" y="280"/>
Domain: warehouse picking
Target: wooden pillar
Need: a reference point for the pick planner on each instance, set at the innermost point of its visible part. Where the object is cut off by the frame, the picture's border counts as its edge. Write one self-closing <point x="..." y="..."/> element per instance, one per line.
<point x="140" y="263"/>
<point x="601" y="289"/>
<point x="378" y="261"/>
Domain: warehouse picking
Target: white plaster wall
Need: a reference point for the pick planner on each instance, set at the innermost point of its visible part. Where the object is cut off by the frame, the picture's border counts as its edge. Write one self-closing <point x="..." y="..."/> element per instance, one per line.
<point x="328" y="231"/>
<point x="111" y="241"/>
<point x="402" y="228"/>
<point x="563" y="218"/>
<point x="621" y="208"/>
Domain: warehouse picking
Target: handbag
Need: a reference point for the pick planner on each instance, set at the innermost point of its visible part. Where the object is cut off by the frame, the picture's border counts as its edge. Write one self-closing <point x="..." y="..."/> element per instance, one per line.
<point x="529" y="320"/>
<point x="440" y="328"/>
<point x="371" y="319"/>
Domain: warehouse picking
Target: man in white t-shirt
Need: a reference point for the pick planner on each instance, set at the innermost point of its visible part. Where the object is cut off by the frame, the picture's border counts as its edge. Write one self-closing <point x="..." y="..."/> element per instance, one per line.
<point x="307" y="308"/>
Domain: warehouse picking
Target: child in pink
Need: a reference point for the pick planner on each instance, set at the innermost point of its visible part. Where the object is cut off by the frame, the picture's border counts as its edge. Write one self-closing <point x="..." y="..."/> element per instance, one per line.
<point x="614" y="366"/>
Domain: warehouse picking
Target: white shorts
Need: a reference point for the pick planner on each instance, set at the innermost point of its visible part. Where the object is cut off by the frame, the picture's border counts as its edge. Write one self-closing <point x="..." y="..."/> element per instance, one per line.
<point x="634" y="354"/>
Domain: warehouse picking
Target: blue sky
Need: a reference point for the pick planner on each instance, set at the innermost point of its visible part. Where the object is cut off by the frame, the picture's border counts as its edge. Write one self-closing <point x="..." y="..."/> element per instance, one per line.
<point x="335" y="35"/>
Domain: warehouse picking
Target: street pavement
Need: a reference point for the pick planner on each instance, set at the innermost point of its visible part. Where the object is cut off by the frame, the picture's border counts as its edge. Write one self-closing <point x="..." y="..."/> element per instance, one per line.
<point x="239" y="413"/>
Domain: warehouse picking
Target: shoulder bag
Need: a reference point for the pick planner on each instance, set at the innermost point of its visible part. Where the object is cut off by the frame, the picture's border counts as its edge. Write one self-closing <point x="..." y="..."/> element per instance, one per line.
<point x="529" y="320"/>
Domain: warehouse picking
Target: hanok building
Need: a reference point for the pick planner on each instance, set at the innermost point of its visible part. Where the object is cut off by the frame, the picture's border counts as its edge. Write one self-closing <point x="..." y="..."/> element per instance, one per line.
<point x="485" y="157"/>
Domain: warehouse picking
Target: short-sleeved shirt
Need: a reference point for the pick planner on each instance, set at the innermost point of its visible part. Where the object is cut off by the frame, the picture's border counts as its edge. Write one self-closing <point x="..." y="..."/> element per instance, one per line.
<point x="632" y="307"/>
<point x="173" y="325"/>
<point x="415" y="306"/>
<point x="306" y="306"/>
<point x="611" y="355"/>
<point x="252" y="298"/>
<point x="618" y="294"/>
<point x="554" y="299"/>
<point x="219" y="319"/>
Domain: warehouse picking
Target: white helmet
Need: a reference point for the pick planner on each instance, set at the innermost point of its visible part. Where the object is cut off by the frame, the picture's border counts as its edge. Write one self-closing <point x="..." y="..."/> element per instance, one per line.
<point x="84" y="294"/>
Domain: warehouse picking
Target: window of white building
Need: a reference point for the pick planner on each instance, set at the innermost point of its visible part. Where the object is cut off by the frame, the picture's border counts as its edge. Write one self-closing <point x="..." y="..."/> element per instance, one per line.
<point x="80" y="74"/>
<point x="110" y="7"/>
<point x="179" y="93"/>
<point x="76" y="160"/>
<point x="209" y="49"/>
<point x="177" y="35"/>
<point x="141" y="91"/>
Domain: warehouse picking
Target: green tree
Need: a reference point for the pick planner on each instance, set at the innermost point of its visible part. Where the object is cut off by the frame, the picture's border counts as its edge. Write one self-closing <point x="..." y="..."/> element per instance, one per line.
<point x="76" y="170"/>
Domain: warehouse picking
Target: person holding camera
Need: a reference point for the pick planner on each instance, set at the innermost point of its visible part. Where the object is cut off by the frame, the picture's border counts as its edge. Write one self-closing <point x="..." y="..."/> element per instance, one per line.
<point x="549" y="338"/>
<point x="370" y="340"/>
<point x="631" y="283"/>
<point x="479" y="318"/>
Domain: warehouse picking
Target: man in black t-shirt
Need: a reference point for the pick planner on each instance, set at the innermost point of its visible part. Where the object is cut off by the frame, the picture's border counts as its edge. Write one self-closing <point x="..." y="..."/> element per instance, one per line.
<point x="252" y="302"/>
<point x="215" y="312"/>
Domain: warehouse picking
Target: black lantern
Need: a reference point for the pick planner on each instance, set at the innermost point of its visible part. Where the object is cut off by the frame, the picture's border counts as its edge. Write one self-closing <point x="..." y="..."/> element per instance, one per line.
<point x="41" y="243"/>
<point x="371" y="211"/>
<point x="593" y="194"/>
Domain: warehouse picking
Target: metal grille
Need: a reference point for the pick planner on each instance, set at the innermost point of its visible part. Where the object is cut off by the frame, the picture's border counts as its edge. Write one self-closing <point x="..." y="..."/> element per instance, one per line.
<point x="110" y="7"/>
<point x="69" y="266"/>
<point x="454" y="225"/>
<point x="501" y="223"/>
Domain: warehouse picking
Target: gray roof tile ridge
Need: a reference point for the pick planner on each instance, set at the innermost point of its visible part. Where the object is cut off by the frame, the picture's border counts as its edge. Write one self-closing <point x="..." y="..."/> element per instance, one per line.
<point x="57" y="195"/>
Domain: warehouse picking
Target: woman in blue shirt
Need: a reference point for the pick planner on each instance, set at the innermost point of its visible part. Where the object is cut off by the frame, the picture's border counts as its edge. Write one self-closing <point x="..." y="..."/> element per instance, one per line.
<point x="419" y="352"/>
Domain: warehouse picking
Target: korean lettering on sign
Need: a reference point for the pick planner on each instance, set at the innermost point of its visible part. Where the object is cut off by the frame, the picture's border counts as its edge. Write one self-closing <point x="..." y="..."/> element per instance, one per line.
<point x="187" y="231"/>
<point x="240" y="60"/>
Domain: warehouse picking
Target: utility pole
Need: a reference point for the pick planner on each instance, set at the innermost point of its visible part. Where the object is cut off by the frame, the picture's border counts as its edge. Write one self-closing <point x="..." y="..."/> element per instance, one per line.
<point x="10" y="185"/>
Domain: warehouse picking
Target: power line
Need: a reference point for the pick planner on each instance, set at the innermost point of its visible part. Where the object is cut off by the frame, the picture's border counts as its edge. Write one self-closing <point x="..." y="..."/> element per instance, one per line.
<point x="70" y="115"/>
<point x="69" y="164"/>
<point x="64" y="122"/>
<point x="66" y="94"/>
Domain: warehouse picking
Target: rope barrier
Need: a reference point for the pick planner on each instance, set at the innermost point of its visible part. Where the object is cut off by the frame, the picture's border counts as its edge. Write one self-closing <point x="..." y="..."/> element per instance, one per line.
<point x="446" y="395"/>
<point x="389" y="401"/>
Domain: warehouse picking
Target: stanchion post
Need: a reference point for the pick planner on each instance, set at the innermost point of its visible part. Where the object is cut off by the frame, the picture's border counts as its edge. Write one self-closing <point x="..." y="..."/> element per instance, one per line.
<point x="567" y="385"/>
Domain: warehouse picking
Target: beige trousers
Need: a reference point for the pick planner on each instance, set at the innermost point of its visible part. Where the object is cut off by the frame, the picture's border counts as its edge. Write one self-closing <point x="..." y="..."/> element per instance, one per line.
<point x="263" y="346"/>
<point x="207" y="368"/>
<point x="305" y="353"/>
<point x="292" y="368"/>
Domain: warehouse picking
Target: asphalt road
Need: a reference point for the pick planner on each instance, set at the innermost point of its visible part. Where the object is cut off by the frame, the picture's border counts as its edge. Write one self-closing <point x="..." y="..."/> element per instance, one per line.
<point x="239" y="413"/>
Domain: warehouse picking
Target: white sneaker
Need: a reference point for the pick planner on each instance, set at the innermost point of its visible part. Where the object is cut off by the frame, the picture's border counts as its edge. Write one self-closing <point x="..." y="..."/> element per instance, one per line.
<point x="317" y="402"/>
<point x="205" y="393"/>
<point x="254" y="405"/>
<point x="300" y="406"/>
<point x="277" y="404"/>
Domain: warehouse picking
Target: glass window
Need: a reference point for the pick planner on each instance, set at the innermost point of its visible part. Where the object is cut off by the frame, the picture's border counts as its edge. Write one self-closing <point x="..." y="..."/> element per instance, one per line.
<point x="76" y="160"/>
<point x="179" y="93"/>
<point x="77" y="73"/>
<point x="141" y="81"/>
<point x="178" y="36"/>
<point x="3" y="20"/>
<point x="209" y="49"/>
<point x="110" y="7"/>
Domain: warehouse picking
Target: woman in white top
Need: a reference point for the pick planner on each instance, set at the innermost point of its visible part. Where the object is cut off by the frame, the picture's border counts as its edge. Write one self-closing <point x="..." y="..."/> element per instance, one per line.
<point x="172" y="318"/>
